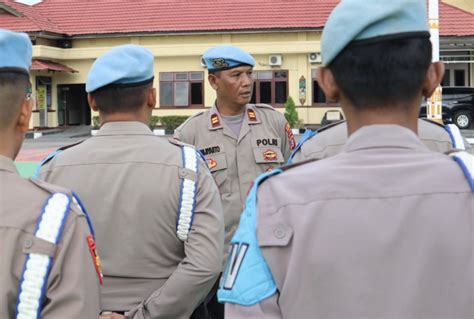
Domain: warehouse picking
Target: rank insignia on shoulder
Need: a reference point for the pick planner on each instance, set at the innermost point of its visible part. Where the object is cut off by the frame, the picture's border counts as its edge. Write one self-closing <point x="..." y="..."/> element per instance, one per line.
<point x="219" y="63"/>
<point x="290" y="135"/>
<point x="252" y="115"/>
<point x="215" y="120"/>
<point x="211" y="163"/>
<point x="95" y="258"/>
<point x="269" y="155"/>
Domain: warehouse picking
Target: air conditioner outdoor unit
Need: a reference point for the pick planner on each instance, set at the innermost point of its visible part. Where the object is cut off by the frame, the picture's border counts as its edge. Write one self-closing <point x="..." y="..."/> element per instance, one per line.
<point x="314" y="57"/>
<point x="275" y="60"/>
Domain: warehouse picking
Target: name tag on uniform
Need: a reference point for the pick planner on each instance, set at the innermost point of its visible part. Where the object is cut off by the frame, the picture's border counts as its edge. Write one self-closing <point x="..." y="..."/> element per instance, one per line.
<point x="215" y="157"/>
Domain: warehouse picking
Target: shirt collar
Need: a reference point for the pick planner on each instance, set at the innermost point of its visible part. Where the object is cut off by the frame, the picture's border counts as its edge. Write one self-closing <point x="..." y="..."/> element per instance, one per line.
<point x="124" y="128"/>
<point x="6" y="164"/>
<point x="215" y="119"/>
<point x="383" y="136"/>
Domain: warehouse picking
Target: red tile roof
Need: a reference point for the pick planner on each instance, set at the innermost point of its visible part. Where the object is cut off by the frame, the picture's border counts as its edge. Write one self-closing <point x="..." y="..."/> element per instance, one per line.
<point x="80" y="17"/>
<point x="44" y="65"/>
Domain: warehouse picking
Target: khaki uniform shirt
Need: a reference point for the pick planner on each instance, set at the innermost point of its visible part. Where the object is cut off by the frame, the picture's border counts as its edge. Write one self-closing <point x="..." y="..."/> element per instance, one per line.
<point x="73" y="284"/>
<point x="130" y="180"/>
<point x="330" y="141"/>
<point x="386" y="232"/>
<point x="265" y="142"/>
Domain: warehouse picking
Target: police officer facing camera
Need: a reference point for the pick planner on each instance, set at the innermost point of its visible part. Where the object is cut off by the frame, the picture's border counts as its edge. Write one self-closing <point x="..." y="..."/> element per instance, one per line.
<point x="239" y="140"/>
<point x="386" y="231"/>
<point x="50" y="267"/>
<point x="155" y="205"/>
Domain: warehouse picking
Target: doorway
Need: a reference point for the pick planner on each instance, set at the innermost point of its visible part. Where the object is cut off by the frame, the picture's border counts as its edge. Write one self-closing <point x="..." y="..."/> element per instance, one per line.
<point x="73" y="108"/>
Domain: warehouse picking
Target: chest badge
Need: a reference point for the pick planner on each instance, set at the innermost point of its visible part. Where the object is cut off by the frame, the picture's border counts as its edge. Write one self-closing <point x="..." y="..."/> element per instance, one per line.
<point x="211" y="163"/>
<point x="269" y="155"/>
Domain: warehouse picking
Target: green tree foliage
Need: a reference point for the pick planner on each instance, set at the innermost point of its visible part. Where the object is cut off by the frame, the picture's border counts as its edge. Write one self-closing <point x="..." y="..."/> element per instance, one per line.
<point x="291" y="114"/>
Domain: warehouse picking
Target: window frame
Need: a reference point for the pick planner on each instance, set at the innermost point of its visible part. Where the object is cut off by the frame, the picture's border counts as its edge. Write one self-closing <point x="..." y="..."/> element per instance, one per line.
<point x="175" y="80"/>
<point x="272" y="82"/>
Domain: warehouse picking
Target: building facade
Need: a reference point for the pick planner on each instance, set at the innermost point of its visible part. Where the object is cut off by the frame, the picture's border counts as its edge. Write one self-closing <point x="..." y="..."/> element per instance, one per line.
<point x="283" y="37"/>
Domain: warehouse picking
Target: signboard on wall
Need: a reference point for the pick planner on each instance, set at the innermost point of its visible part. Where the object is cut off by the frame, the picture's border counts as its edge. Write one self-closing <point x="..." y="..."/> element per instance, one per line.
<point x="41" y="101"/>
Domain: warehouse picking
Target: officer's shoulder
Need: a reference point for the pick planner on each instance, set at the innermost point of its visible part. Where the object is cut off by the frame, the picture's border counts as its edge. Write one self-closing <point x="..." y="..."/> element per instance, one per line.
<point x="263" y="106"/>
<point x="192" y="118"/>
<point x="433" y="122"/>
<point x="330" y="126"/>
<point x="179" y="143"/>
<point x="58" y="151"/>
<point x="285" y="169"/>
<point x="50" y="189"/>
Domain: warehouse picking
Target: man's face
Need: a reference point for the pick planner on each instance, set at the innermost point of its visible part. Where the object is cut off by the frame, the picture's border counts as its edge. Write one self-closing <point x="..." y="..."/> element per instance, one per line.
<point x="233" y="86"/>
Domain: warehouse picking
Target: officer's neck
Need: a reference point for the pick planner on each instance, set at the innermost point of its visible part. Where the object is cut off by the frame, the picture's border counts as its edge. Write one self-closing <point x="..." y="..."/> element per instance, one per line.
<point x="11" y="144"/>
<point x="396" y="115"/>
<point x="229" y="109"/>
<point x="124" y="117"/>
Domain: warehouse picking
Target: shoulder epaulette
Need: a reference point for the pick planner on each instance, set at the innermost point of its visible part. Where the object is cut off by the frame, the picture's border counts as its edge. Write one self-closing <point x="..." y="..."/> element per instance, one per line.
<point x="324" y="128"/>
<point x="432" y="122"/>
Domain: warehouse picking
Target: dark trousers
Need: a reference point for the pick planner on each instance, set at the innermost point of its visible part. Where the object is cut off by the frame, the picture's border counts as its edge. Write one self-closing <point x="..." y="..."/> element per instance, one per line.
<point x="210" y="308"/>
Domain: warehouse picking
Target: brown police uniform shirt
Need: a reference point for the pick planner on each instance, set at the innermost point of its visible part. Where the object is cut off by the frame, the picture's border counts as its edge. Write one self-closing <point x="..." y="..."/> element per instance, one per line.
<point x="73" y="284"/>
<point x="130" y="180"/>
<point x="265" y="142"/>
<point x="330" y="141"/>
<point x="384" y="229"/>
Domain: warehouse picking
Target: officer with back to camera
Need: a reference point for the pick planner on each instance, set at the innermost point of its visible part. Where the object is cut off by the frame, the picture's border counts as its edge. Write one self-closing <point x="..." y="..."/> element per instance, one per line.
<point x="386" y="232"/>
<point x="155" y="205"/>
<point x="49" y="262"/>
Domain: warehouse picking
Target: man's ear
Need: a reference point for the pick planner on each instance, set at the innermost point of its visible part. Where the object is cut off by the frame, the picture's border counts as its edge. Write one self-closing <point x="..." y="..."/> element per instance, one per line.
<point x="151" y="100"/>
<point x="433" y="78"/>
<point x="213" y="81"/>
<point x="92" y="103"/>
<point x="328" y="84"/>
<point x="23" y="120"/>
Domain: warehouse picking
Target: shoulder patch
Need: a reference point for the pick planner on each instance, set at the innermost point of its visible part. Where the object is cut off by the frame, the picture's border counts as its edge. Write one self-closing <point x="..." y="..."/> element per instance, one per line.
<point x="324" y="128"/>
<point x="265" y="106"/>
<point x="432" y="122"/>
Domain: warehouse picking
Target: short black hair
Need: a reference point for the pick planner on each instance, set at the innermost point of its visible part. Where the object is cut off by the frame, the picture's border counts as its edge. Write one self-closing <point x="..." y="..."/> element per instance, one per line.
<point x="13" y="90"/>
<point x="118" y="99"/>
<point x="371" y="75"/>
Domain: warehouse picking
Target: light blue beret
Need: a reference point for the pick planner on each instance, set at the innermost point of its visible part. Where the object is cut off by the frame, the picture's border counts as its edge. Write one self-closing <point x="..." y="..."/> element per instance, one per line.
<point x="15" y="51"/>
<point x="225" y="57"/>
<point x="354" y="20"/>
<point x="126" y="65"/>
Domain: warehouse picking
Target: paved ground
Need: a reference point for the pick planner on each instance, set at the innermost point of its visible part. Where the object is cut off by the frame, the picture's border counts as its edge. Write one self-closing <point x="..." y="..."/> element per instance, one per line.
<point x="34" y="150"/>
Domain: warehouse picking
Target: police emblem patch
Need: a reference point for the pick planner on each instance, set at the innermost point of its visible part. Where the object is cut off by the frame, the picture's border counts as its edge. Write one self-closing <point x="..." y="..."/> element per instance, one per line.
<point x="219" y="63"/>
<point x="215" y="120"/>
<point x="269" y="155"/>
<point x="211" y="163"/>
<point x="95" y="258"/>
<point x="290" y="135"/>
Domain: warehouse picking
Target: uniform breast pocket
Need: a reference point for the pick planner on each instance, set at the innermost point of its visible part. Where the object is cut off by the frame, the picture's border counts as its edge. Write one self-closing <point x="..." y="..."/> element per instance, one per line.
<point x="217" y="164"/>
<point x="267" y="151"/>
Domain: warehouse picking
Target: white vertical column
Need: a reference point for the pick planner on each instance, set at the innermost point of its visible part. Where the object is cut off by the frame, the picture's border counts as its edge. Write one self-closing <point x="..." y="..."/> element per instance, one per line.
<point x="434" y="105"/>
